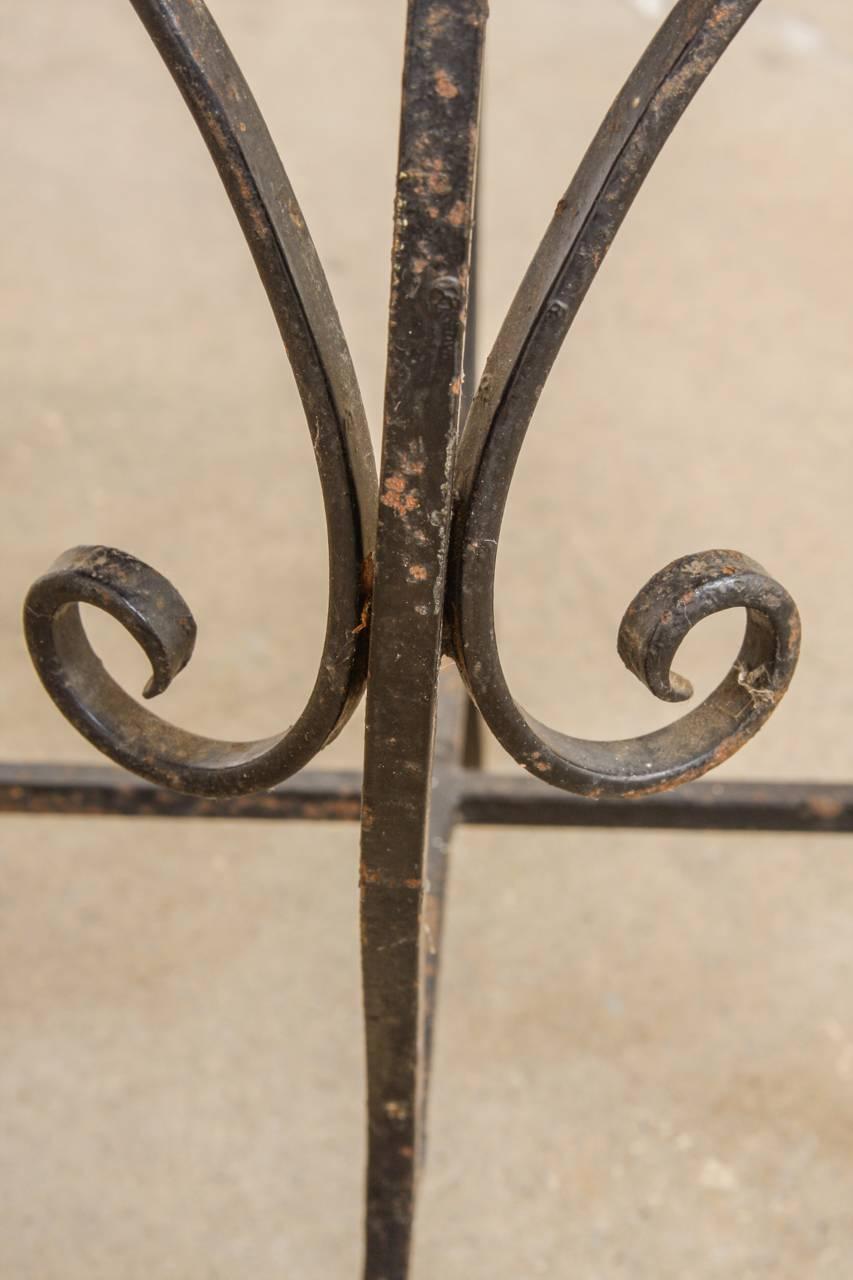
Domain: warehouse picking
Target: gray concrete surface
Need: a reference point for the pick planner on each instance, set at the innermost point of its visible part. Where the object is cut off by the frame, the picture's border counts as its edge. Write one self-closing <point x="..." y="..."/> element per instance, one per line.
<point x="645" y="1059"/>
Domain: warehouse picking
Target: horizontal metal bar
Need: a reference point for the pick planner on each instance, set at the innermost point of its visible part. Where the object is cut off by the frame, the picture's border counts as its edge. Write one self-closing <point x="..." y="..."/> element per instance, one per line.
<point x="312" y="795"/>
<point x="483" y="799"/>
<point x="700" y="806"/>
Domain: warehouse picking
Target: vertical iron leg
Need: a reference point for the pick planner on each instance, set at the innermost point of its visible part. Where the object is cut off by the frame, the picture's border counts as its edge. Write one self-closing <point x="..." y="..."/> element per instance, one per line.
<point x="429" y="297"/>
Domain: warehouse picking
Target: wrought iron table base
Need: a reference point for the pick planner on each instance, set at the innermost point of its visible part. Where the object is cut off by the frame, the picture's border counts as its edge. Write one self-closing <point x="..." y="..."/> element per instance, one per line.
<point x="412" y="559"/>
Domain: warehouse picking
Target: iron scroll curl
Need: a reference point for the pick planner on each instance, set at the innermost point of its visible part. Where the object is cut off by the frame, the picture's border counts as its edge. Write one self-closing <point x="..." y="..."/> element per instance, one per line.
<point x="145" y="602"/>
<point x="587" y="218"/>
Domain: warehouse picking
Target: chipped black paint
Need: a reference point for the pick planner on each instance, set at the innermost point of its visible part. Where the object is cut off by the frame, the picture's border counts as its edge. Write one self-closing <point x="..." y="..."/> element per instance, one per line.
<point x="412" y="559"/>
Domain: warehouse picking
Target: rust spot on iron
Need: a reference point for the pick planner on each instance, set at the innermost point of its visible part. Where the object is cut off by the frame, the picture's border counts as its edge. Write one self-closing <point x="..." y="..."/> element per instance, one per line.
<point x="456" y="217"/>
<point x="396" y="497"/>
<point x="825" y="807"/>
<point x="437" y="20"/>
<point x="721" y="15"/>
<point x="371" y="876"/>
<point x="445" y="85"/>
<point x="363" y="619"/>
<point x="396" y="1110"/>
<point x="367" y="572"/>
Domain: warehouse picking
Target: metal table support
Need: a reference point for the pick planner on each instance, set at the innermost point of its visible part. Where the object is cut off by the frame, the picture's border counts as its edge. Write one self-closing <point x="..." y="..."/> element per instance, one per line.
<point x="412" y="557"/>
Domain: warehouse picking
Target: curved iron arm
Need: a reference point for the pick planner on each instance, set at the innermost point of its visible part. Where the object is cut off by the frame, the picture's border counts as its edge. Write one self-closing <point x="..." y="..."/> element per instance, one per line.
<point x="679" y="58"/>
<point x="140" y="598"/>
<point x="584" y="225"/>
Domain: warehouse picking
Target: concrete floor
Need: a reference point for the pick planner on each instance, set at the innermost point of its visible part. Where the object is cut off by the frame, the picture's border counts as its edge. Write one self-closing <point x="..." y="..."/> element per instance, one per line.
<point x="645" y="1058"/>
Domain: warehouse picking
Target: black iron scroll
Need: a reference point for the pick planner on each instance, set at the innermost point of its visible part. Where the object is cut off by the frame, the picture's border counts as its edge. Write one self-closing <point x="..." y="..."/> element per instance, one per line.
<point x="412" y="557"/>
<point x="584" y="225"/>
<point x="138" y="596"/>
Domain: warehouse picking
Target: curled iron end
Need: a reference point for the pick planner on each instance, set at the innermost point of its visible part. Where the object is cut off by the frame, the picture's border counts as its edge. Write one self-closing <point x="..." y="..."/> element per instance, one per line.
<point x="159" y="619"/>
<point x="137" y="596"/>
<point x="686" y="591"/>
<point x="655" y="623"/>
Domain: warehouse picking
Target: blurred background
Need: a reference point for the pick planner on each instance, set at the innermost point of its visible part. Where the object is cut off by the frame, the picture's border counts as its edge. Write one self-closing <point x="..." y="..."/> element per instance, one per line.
<point x="645" y="1051"/>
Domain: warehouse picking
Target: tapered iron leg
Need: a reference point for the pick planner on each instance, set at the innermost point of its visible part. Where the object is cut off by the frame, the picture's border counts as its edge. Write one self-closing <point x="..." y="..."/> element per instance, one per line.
<point x="429" y="294"/>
